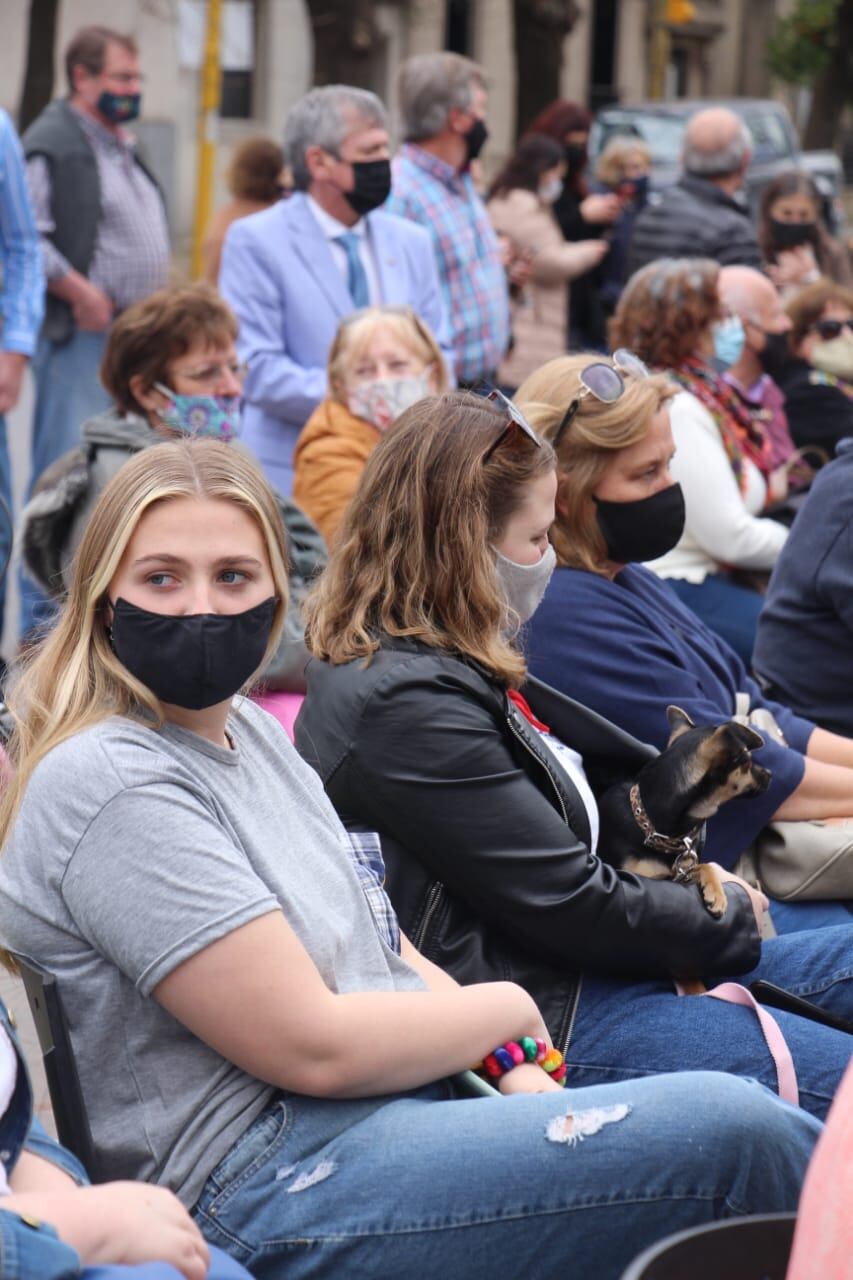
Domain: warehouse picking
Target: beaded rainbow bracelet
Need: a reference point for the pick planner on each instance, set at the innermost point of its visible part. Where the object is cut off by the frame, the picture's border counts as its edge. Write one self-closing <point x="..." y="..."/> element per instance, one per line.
<point x="527" y="1049"/>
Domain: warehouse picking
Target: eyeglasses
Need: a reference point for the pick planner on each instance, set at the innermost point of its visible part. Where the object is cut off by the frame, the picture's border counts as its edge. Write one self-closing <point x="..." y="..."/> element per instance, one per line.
<point x="517" y="421"/>
<point x="216" y="372"/>
<point x="605" y="382"/>
<point x="829" y="329"/>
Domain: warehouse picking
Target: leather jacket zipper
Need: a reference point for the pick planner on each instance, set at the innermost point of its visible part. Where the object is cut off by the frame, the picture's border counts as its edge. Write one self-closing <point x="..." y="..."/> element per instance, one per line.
<point x="432" y="900"/>
<point x="565" y="1037"/>
<point x="521" y="738"/>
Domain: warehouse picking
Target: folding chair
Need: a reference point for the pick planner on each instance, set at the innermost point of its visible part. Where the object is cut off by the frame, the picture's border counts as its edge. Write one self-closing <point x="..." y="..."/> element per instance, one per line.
<point x="753" y="1248"/>
<point x="66" y="1096"/>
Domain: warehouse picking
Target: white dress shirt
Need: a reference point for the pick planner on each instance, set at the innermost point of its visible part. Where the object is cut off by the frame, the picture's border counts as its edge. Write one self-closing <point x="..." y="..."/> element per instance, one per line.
<point x="331" y="229"/>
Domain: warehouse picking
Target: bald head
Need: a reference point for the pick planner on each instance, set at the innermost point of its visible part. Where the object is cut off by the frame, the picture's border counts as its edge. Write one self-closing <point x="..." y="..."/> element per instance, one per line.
<point x="747" y="292"/>
<point x="717" y="144"/>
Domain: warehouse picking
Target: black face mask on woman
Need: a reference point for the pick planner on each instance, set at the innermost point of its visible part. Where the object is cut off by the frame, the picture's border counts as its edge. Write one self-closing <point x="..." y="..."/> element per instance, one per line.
<point x="642" y="530"/>
<point x="191" y="660"/>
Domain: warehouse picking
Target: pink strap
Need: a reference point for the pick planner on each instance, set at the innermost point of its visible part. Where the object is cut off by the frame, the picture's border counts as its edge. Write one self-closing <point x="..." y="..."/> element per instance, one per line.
<point x="786" y="1074"/>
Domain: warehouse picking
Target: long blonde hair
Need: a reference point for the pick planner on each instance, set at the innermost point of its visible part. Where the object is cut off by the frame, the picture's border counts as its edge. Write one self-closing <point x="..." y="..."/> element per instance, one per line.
<point x="597" y="432"/>
<point x="73" y="679"/>
<point x="414" y="556"/>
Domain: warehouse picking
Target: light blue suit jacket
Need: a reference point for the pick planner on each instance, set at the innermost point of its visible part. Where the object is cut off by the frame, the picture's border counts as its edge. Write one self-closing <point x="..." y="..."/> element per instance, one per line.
<point x="280" y="277"/>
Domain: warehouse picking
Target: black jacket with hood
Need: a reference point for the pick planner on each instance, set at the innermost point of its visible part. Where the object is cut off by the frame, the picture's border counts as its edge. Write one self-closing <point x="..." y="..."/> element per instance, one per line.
<point x="486" y="842"/>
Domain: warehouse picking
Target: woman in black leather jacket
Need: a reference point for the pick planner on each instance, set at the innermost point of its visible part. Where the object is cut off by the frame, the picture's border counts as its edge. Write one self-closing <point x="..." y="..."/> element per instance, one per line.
<point x="414" y="722"/>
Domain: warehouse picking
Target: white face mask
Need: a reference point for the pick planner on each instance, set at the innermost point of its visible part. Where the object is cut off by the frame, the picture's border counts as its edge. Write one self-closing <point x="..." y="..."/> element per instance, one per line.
<point x="550" y="191"/>
<point x="524" y="585"/>
<point x="835" y="356"/>
<point x="383" y="400"/>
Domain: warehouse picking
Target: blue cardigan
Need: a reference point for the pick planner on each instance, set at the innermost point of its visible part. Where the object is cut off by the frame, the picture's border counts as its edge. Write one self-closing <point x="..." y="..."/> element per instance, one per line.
<point x="628" y="648"/>
<point x="804" y="646"/>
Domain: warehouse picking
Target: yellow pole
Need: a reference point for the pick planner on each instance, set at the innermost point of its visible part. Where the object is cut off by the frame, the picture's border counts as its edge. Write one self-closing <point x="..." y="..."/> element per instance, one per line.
<point x="208" y="128"/>
<point x="659" y="49"/>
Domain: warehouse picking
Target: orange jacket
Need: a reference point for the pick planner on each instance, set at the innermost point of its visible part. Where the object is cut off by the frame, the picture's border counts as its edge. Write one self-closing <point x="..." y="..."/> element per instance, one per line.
<point x="328" y="461"/>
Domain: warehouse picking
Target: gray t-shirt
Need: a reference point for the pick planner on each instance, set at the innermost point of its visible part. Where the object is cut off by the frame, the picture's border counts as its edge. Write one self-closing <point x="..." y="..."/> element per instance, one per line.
<point x="134" y="849"/>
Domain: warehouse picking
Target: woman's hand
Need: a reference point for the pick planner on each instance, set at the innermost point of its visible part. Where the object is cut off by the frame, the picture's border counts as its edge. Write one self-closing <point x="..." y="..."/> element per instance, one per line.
<point x="528" y="1078"/>
<point x="600" y="208"/>
<point x="794" y="267"/>
<point x="758" y="901"/>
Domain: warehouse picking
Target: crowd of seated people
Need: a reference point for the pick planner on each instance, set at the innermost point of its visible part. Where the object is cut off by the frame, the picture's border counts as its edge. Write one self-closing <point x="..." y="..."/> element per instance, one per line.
<point x="301" y="962"/>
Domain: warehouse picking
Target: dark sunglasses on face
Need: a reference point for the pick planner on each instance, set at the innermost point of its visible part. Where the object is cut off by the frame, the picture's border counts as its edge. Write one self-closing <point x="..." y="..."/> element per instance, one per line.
<point x="516" y="422"/>
<point x="605" y="382"/>
<point x="829" y="329"/>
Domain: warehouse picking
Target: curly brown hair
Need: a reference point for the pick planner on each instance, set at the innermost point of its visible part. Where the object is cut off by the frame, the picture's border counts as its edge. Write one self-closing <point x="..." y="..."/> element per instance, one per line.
<point x="807" y="305"/>
<point x="665" y="310"/>
<point x="415" y="556"/>
<point x="255" y="170"/>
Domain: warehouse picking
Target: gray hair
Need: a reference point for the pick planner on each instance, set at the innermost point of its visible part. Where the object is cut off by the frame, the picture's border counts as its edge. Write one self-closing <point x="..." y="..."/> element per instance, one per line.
<point x="325" y="118"/>
<point x="430" y="86"/>
<point x="723" y="161"/>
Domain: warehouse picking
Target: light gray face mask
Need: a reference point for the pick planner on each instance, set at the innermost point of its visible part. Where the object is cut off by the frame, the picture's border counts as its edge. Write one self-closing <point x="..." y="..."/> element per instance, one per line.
<point x="524" y="584"/>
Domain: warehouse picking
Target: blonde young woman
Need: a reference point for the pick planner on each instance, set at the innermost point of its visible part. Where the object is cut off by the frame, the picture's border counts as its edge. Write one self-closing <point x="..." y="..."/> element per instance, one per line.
<point x="250" y="1028"/>
<point x="382" y="360"/>
<point x="610" y="633"/>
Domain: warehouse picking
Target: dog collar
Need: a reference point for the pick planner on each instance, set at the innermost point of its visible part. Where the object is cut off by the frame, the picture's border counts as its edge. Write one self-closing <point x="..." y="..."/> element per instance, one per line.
<point x="681" y="848"/>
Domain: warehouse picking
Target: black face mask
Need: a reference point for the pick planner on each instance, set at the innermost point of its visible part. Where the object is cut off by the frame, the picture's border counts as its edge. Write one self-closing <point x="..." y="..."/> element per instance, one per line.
<point x="642" y="530"/>
<point x="191" y="660"/>
<point x="787" y="235"/>
<point x="576" y="156"/>
<point x="372" y="185"/>
<point x="774" y="355"/>
<point x="475" y="140"/>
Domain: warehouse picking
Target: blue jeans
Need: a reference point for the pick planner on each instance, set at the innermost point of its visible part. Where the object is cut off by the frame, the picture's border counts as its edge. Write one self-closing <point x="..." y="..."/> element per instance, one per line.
<point x="631" y="1029"/>
<point x="68" y="393"/>
<point x="729" y="610"/>
<point x="796" y="917"/>
<point x="478" y="1187"/>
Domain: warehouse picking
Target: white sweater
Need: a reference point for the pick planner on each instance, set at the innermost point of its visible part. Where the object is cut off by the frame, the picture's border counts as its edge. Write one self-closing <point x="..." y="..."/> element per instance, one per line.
<point x="722" y="527"/>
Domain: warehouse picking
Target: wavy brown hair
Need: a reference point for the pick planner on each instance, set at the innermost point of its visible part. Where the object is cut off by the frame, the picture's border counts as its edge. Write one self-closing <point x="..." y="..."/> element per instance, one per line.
<point x="597" y="432"/>
<point x="665" y="310"/>
<point x="414" y="556"/>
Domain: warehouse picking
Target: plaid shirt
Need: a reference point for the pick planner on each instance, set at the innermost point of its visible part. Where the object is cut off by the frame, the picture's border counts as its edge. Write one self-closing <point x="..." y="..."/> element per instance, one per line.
<point x="366" y="851"/>
<point x="131" y="257"/>
<point x="427" y="190"/>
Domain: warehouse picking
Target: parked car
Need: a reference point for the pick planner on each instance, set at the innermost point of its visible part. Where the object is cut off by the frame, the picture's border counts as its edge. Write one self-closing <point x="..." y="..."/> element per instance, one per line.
<point x="776" y="147"/>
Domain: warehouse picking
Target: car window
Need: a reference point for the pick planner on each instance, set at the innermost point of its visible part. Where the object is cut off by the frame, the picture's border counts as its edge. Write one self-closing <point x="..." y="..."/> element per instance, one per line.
<point x="662" y="134"/>
<point x="770" y="138"/>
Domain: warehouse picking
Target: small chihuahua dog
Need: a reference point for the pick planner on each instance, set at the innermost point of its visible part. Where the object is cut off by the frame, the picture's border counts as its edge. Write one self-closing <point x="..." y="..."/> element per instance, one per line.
<point x="652" y="826"/>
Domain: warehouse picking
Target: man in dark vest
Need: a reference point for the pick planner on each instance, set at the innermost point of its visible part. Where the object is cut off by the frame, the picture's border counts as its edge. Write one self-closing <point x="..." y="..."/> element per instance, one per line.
<point x="104" y="236"/>
<point x="701" y="216"/>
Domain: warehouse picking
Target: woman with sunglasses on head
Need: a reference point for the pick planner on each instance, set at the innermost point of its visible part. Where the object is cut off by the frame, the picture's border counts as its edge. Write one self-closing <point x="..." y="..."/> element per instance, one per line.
<point x="671" y="316"/>
<point x="482" y="784"/>
<point x="171" y="368"/>
<point x="609" y="633"/>
<point x="250" y="1027"/>
<point x="817" y="379"/>
<point x="382" y="360"/>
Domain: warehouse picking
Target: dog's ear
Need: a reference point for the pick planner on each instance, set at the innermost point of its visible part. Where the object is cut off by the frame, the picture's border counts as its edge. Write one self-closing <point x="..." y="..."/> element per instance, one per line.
<point x="746" y="735"/>
<point x="679" y="723"/>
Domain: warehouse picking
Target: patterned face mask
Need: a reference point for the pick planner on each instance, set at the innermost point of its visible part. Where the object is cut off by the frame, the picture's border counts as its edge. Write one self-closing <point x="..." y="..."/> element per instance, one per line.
<point x="216" y="416"/>
<point x="383" y="400"/>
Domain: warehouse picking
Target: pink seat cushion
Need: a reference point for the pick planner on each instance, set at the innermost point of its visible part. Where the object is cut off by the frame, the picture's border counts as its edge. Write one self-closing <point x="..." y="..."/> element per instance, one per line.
<point x="284" y="706"/>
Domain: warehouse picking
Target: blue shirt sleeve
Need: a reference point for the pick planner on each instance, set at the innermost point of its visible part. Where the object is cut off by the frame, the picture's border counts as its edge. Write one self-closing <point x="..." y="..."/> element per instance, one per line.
<point x="20" y="250"/>
<point x="591" y="641"/>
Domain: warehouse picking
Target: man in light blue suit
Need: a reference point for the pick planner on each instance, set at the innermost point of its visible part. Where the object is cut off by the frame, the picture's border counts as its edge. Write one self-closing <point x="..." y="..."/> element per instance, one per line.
<point x="293" y="272"/>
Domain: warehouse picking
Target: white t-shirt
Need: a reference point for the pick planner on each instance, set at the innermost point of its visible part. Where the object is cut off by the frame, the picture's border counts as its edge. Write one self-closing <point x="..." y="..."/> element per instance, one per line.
<point x="571" y="762"/>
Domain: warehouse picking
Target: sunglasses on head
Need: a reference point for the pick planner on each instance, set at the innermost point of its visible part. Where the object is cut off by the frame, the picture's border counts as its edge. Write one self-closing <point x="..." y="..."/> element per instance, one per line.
<point x="605" y="382"/>
<point x="829" y="329"/>
<point x="516" y="422"/>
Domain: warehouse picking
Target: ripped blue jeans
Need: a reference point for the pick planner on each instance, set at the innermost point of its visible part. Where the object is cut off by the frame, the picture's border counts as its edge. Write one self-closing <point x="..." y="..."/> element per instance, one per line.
<point x="427" y="1183"/>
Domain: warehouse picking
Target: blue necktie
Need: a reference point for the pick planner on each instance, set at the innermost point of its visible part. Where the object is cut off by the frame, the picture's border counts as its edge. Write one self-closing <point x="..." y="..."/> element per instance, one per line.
<point x="356" y="274"/>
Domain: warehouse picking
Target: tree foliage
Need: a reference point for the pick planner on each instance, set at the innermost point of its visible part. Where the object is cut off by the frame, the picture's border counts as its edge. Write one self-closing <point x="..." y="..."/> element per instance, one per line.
<point x="804" y="41"/>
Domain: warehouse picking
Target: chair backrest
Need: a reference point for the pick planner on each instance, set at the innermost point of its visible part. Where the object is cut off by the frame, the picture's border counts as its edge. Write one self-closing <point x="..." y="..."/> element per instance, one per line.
<point x="753" y="1248"/>
<point x="66" y="1096"/>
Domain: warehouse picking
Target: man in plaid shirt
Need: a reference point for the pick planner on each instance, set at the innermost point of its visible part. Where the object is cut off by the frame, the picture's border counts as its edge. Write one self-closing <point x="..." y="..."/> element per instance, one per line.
<point x="442" y="104"/>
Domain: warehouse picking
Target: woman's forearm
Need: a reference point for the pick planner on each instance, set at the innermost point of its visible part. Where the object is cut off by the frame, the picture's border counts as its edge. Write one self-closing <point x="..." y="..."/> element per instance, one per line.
<point x="831" y="748"/>
<point x="825" y="791"/>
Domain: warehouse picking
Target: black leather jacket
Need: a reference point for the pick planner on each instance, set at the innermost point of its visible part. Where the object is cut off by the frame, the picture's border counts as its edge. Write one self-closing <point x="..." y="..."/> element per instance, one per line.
<point x="486" y="841"/>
